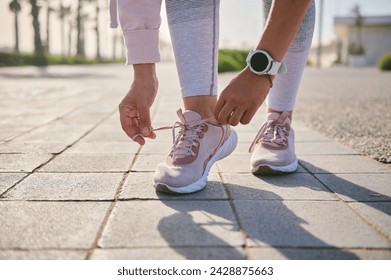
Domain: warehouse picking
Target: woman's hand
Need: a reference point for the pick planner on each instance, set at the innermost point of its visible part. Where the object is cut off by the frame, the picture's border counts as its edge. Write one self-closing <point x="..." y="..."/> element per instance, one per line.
<point x="134" y="109"/>
<point x="240" y="100"/>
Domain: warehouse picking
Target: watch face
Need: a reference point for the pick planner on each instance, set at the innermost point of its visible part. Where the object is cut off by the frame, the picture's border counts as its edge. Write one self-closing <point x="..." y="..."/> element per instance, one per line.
<point x="259" y="62"/>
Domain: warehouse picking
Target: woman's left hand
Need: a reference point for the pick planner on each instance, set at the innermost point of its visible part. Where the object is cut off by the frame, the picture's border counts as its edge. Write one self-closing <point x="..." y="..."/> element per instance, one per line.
<point x="240" y="100"/>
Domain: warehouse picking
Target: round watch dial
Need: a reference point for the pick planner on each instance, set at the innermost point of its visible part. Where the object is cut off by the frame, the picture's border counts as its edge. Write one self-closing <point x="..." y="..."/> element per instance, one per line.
<point x="259" y="62"/>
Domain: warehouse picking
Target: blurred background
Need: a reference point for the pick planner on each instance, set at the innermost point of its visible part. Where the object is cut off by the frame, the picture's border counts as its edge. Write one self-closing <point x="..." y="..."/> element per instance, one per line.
<point x="70" y="28"/>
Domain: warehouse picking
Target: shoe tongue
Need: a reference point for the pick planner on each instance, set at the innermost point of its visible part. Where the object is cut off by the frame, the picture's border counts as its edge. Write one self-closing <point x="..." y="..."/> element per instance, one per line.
<point x="272" y="116"/>
<point x="283" y="117"/>
<point x="188" y="116"/>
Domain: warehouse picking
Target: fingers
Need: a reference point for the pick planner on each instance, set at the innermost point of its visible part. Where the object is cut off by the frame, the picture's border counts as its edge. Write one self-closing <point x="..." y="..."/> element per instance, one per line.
<point x="145" y="121"/>
<point x="219" y="105"/>
<point x="235" y="117"/>
<point x="248" y="115"/>
<point x="225" y="113"/>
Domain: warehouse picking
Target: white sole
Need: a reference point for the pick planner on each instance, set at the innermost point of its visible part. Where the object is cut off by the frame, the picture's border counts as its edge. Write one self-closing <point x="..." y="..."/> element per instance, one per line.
<point x="225" y="150"/>
<point x="266" y="169"/>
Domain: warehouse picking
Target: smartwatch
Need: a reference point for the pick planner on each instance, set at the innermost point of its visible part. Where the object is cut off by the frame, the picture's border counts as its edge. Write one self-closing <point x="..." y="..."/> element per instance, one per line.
<point x="260" y="62"/>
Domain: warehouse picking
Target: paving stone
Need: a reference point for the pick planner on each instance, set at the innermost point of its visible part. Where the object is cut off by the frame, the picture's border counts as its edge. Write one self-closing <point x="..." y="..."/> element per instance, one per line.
<point x="67" y="186"/>
<point x="22" y="162"/>
<point x="323" y="148"/>
<point x="242" y="149"/>
<point x="42" y="254"/>
<point x="377" y="213"/>
<point x="107" y="133"/>
<point x="56" y="133"/>
<point x="9" y="133"/>
<point x="89" y="163"/>
<point x="19" y="147"/>
<point x="342" y="164"/>
<point x="240" y="164"/>
<point x="330" y="224"/>
<point x="359" y="187"/>
<point x="162" y="136"/>
<point x="156" y="148"/>
<point x="296" y="186"/>
<point x="83" y="147"/>
<point x="171" y="253"/>
<point x="83" y="117"/>
<point x="147" y="162"/>
<point x="171" y="223"/>
<point x="139" y="185"/>
<point x="9" y="179"/>
<point x="317" y="254"/>
<point x="304" y="135"/>
<point x="41" y="225"/>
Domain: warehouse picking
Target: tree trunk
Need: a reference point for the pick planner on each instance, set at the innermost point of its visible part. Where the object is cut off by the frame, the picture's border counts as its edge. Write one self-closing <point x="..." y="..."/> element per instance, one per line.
<point x="49" y="9"/>
<point x="37" y="32"/>
<point x="79" y="28"/>
<point x="16" y="31"/>
<point x="70" y="39"/>
<point x="98" y="56"/>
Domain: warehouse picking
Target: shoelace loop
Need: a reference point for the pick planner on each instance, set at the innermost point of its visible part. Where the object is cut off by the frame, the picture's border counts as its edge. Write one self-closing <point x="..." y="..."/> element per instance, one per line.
<point x="271" y="132"/>
<point x="184" y="141"/>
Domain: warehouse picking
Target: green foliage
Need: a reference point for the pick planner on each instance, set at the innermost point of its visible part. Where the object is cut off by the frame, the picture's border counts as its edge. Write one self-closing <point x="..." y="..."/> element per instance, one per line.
<point x="232" y="60"/>
<point x="21" y="59"/>
<point x="385" y="62"/>
<point x="356" y="49"/>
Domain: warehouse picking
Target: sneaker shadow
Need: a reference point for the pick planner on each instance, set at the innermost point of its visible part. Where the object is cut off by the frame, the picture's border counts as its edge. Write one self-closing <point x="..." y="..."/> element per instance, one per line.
<point x="265" y="223"/>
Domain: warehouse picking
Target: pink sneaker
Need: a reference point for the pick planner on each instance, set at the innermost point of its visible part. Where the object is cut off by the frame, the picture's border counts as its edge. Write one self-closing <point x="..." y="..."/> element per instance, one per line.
<point x="273" y="149"/>
<point x="197" y="146"/>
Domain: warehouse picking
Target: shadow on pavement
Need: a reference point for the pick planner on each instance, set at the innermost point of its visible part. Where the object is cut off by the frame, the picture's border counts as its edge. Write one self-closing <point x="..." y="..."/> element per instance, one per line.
<point x="267" y="223"/>
<point x="348" y="190"/>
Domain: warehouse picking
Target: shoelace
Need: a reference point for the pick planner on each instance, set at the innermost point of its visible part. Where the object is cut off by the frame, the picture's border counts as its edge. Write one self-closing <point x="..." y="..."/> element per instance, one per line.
<point x="184" y="141"/>
<point x="271" y="132"/>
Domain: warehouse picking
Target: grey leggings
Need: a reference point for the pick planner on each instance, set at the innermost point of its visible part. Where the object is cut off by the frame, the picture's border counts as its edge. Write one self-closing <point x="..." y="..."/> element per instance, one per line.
<point x="194" y="28"/>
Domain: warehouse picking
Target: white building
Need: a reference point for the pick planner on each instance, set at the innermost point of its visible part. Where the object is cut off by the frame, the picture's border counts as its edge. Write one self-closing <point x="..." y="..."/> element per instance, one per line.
<point x="375" y="33"/>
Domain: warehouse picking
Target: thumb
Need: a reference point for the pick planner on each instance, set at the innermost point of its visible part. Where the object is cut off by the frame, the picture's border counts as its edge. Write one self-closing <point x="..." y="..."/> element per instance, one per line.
<point x="145" y="121"/>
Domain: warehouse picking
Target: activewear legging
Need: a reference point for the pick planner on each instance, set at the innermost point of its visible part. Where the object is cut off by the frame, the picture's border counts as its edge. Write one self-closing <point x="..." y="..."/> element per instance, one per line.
<point x="194" y="29"/>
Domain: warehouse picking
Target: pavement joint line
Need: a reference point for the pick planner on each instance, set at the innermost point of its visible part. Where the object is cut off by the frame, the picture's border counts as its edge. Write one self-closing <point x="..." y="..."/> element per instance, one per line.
<point x="371" y="224"/>
<point x="234" y="211"/>
<point x="348" y="204"/>
<point x="13" y="185"/>
<point x="111" y="208"/>
<point x="36" y="170"/>
<point x="44" y="124"/>
<point x="28" y="175"/>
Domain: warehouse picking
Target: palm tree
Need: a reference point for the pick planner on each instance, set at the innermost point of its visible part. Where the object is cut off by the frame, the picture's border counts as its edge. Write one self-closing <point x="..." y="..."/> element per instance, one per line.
<point x="97" y="8"/>
<point x="80" y="50"/>
<point x="96" y="28"/>
<point x="49" y="10"/>
<point x="15" y="7"/>
<point x="63" y="13"/>
<point x="37" y="32"/>
<point x="358" y="22"/>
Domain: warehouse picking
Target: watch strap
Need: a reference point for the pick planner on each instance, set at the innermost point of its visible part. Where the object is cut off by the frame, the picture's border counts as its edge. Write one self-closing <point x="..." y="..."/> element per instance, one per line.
<point x="277" y="67"/>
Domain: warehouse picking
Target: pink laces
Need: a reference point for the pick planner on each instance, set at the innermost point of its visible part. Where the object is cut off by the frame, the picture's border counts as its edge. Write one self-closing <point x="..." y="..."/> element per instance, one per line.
<point x="272" y="133"/>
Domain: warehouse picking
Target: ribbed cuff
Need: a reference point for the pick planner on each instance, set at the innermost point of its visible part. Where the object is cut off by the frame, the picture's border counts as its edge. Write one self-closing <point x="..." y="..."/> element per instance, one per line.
<point x="142" y="46"/>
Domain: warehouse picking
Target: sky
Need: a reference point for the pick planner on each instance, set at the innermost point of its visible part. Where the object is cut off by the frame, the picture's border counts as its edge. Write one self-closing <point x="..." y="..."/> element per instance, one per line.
<point x="240" y="23"/>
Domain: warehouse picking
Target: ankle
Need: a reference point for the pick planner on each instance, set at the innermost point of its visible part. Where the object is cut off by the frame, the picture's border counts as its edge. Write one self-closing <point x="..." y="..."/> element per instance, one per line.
<point x="203" y="105"/>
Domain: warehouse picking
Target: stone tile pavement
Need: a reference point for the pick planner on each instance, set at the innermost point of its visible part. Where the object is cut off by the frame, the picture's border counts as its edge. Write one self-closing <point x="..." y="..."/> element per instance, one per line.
<point x="72" y="186"/>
